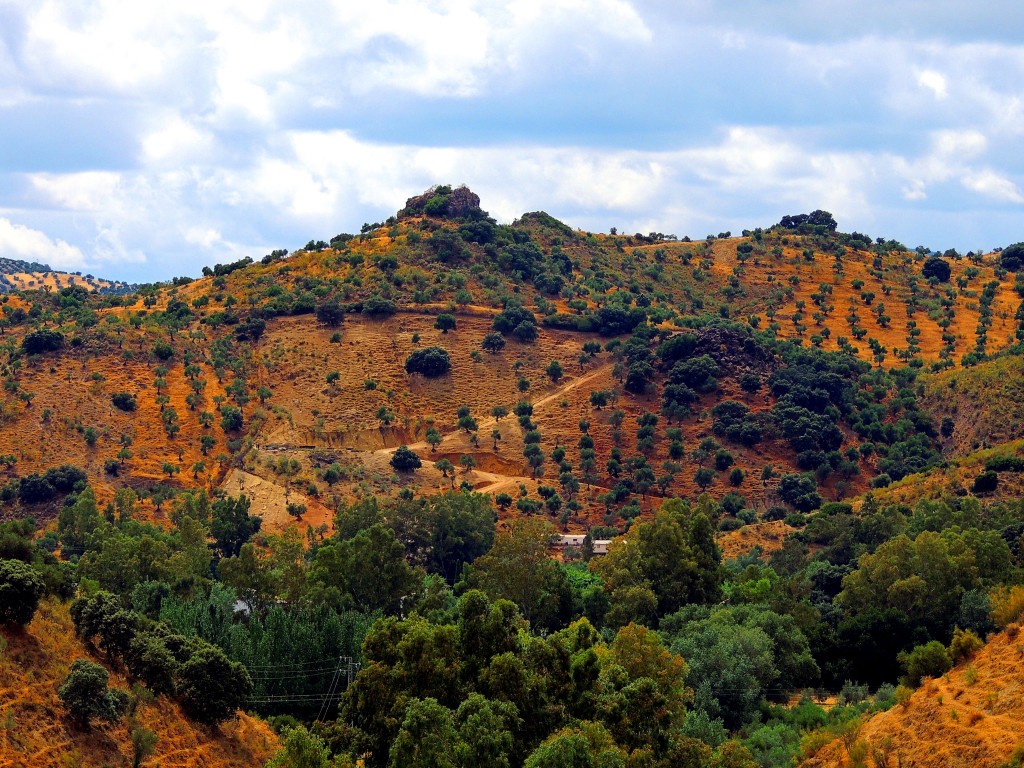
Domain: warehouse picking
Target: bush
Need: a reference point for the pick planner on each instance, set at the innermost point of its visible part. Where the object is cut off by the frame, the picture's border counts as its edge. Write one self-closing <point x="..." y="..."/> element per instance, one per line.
<point x="376" y="305"/>
<point x="33" y="489"/>
<point x="404" y="460"/>
<point x="330" y="313"/>
<point x="1012" y="257"/>
<point x="937" y="268"/>
<point x="124" y="401"/>
<point x="986" y="482"/>
<point x="928" y="660"/>
<point x="85" y="694"/>
<point x="210" y="686"/>
<point x="445" y="322"/>
<point x="525" y="332"/>
<point x="163" y="350"/>
<point x="493" y="343"/>
<point x="430" y="362"/>
<point x="41" y="341"/>
<point x="1007" y="605"/>
<point x="511" y="317"/>
<point x="150" y="660"/>
<point x="231" y="418"/>
<point x="20" y="590"/>
<point x="881" y="481"/>
<point x="1005" y="464"/>
<point x="800" y="491"/>
<point x="964" y="645"/>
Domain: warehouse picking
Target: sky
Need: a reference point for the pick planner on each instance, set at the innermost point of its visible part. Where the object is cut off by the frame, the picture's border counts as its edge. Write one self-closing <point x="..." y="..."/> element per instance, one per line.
<point x="141" y="141"/>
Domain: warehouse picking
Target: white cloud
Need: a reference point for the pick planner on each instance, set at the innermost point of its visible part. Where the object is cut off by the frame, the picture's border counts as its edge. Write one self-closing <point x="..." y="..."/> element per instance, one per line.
<point x="175" y="142"/>
<point x="989" y="183"/>
<point x="87" y="191"/>
<point x="934" y="82"/>
<point x="20" y="242"/>
<point x="255" y="124"/>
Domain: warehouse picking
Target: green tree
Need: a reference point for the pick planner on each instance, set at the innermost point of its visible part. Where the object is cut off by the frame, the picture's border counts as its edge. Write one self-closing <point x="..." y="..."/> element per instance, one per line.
<point x="368" y="572"/>
<point x="86" y="696"/>
<point x="433" y="438"/>
<point x="587" y="745"/>
<point x="554" y="371"/>
<point x="231" y="525"/>
<point x="462" y="529"/>
<point x="444" y="467"/>
<point x="231" y="418"/>
<point x="20" y="591"/>
<point x="704" y="477"/>
<point x="485" y="733"/>
<point x="210" y="686"/>
<point x="143" y="744"/>
<point x="404" y="460"/>
<point x="302" y="749"/>
<point x="445" y="322"/>
<point x="493" y="343"/>
<point x="426" y="738"/>
<point x="518" y="568"/>
<point x="430" y="362"/>
<point x="928" y="660"/>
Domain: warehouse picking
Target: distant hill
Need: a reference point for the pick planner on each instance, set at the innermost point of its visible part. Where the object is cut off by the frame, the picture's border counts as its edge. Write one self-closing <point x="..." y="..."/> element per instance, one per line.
<point x="17" y="275"/>
<point x="14" y="266"/>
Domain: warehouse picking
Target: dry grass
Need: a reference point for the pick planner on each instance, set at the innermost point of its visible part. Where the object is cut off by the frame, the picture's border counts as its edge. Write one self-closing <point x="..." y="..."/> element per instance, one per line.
<point x="35" y="732"/>
<point x="973" y="716"/>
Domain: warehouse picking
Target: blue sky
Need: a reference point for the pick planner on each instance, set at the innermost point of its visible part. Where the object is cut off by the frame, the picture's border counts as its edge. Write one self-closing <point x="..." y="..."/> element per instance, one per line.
<point x="140" y="143"/>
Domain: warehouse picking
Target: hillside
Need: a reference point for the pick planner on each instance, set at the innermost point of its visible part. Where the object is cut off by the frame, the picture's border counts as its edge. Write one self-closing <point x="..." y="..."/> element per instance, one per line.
<point x="972" y="716"/>
<point x="804" y="445"/>
<point x="250" y="327"/>
<point x="37" y="731"/>
<point x="17" y="275"/>
<point x="14" y="266"/>
<point x="978" y="407"/>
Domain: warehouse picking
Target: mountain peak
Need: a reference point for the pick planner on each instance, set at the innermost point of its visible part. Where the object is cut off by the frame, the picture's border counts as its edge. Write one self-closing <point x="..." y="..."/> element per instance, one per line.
<point x="443" y="201"/>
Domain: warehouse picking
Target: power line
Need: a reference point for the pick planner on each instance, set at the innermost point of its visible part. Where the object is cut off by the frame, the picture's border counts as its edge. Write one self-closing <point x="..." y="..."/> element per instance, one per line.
<point x="334" y="681"/>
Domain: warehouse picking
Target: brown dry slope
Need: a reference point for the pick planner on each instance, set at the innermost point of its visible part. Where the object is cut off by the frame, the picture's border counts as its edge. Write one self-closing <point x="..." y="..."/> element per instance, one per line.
<point x="35" y="731"/>
<point x="971" y="717"/>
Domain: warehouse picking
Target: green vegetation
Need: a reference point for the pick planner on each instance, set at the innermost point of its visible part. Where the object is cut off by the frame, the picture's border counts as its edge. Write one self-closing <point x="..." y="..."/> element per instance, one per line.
<point x="430" y="362"/>
<point x="418" y="631"/>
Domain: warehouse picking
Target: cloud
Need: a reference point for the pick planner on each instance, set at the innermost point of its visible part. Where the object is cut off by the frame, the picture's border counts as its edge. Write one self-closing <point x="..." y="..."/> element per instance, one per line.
<point x="21" y="242"/>
<point x="989" y="183"/>
<point x="934" y="82"/>
<point x="158" y="139"/>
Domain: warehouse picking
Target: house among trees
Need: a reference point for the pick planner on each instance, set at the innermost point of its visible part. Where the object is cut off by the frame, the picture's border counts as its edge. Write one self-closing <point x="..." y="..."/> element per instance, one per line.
<point x="577" y="540"/>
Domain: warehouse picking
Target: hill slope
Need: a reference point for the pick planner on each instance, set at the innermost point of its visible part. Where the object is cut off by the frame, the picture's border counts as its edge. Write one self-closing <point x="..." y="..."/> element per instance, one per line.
<point x="37" y="733"/>
<point x="972" y="716"/>
<point x="984" y="404"/>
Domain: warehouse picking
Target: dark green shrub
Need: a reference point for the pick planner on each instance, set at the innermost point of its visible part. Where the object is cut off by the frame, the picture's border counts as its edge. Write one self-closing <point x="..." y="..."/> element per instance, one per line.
<point x="210" y="686"/>
<point x="86" y="696"/>
<point x="430" y="362"/>
<point x="928" y="660"/>
<point x="41" y="341"/>
<point x="404" y="460"/>
<point x="124" y="401"/>
<point x="20" y="590"/>
<point x="986" y="482"/>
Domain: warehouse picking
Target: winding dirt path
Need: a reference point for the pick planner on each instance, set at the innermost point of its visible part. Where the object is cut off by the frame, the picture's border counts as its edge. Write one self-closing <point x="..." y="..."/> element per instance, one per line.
<point x="491" y="421"/>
